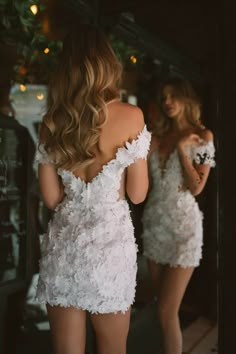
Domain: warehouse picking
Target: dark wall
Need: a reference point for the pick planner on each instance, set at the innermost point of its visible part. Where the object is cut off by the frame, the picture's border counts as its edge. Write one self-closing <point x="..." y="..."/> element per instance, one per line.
<point x="227" y="189"/>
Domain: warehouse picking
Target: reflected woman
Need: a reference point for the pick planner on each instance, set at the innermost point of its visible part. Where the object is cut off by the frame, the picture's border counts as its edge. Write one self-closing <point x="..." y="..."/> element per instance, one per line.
<point x="180" y="158"/>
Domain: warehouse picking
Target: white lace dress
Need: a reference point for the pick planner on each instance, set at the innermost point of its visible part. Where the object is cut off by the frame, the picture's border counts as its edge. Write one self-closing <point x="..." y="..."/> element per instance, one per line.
<point x="89" y="252"/>
<point x="172" y="221"/>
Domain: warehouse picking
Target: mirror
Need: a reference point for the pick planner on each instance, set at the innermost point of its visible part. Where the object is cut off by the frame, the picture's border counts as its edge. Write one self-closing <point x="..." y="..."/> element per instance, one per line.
<point x="144" y="70"/>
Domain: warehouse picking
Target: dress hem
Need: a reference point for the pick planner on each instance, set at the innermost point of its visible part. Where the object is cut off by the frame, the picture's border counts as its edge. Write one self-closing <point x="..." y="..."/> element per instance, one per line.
<point x="83" y="308"/>
<point x="172" y="264"/>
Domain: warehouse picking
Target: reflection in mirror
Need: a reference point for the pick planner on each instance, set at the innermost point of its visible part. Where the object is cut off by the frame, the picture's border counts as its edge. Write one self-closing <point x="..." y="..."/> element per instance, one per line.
<point x="159" y="221"/>
<point x="180" y="158"/>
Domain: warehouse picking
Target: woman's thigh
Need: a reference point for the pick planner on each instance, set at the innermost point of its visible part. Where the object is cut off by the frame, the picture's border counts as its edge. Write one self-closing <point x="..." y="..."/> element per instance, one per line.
<point x="111" y="332"/>
<point x="68" y="328"/>
<point x="155" y="270"/>
<point x="174" y="281"/>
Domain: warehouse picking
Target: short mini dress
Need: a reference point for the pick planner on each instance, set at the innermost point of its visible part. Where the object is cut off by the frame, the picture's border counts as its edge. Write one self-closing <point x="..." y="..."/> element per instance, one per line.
<point x="89" y="251"/>
<point x="172" y="221"/>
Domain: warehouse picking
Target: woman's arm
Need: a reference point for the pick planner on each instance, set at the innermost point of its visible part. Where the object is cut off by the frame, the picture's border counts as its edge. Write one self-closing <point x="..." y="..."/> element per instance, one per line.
<point x="50" y="185"/>
<point x="137" y="181"/>
<point x="195" y="175"/>
<point x="137" y="173"/>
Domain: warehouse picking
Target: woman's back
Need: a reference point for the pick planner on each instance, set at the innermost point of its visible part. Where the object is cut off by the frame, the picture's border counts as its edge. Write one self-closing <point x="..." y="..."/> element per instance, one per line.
<point x="123" y="124"/>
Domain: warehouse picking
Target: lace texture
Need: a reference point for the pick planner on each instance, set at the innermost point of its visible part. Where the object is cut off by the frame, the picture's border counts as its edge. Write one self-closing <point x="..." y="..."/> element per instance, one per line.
<point x="204" y="154"/>
<point x="41" y="155"/>
<point x="89" y="252"/>
<point x="172" y="221"/>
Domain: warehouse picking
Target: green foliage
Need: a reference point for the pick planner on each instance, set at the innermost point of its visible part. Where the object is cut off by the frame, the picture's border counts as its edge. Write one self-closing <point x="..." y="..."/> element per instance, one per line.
<point x="20" y="28"/>
<point x="126" y="53"/>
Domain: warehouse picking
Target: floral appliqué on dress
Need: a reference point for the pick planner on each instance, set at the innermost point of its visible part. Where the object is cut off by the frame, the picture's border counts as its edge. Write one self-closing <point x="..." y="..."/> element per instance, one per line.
<point x="172" y="220"/>
<point x="89" y="252"/>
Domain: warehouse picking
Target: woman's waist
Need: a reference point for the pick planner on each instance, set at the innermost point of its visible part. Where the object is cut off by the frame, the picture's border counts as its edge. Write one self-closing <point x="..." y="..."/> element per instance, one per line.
<point x="170" y="198"/>
<point x="90" y="225"/>
<point x="172" y="211"/>
<point x="70" y="210"/>
<point x="70" y="202"/>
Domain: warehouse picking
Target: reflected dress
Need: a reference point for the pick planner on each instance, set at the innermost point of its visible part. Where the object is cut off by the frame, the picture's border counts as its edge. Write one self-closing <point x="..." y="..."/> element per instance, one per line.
<point x="172" y="221"/>
<point x="89" y="251"/>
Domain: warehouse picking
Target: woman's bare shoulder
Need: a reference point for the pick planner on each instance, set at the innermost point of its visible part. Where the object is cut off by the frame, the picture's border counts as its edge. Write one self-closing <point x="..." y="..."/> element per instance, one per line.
<point x="125" y="121"/>
<point x="206" y="134"/>
<point x="130" y="112"/>
<point x="129" y="118"/>
<point x="135" y="120"/>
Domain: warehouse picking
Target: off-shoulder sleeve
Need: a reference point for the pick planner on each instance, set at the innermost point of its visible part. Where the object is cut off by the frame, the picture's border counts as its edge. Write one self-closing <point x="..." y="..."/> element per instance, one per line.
<point x="41" y="155"/>
<point x="135" y="150"/>
<point x="204" y="154"/>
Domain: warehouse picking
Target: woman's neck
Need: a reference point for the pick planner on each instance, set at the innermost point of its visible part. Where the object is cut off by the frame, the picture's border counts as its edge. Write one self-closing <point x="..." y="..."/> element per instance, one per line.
<point x="180" y="125"/>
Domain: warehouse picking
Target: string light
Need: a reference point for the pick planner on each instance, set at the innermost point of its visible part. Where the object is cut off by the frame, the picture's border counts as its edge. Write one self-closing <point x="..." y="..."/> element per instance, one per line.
<point x="133" y="59"/>
<point x="40" y="96"/>
<point x="34" y="9"/>
<point x="22" y="88"/>
<point x="46" y="50"/>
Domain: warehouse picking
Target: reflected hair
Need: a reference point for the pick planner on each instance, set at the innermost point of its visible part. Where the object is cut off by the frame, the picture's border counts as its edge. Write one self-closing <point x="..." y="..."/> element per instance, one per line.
<point x="87" y="77"/>
<point x="185" y="93"/>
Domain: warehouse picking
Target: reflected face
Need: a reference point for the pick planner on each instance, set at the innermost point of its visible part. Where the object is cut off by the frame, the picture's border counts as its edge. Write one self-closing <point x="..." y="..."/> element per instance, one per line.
<point x="172" y="106"/>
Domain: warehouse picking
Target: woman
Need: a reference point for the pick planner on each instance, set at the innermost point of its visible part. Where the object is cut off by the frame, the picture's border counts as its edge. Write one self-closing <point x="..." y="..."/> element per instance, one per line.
<point x="92" y="150"/>
<point x="180" y="158"/>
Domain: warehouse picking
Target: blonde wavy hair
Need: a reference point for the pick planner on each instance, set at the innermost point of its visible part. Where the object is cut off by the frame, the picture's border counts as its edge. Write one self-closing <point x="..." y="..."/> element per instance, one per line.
<point x="87" y="77"/>
<point x="185" y="93"/>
